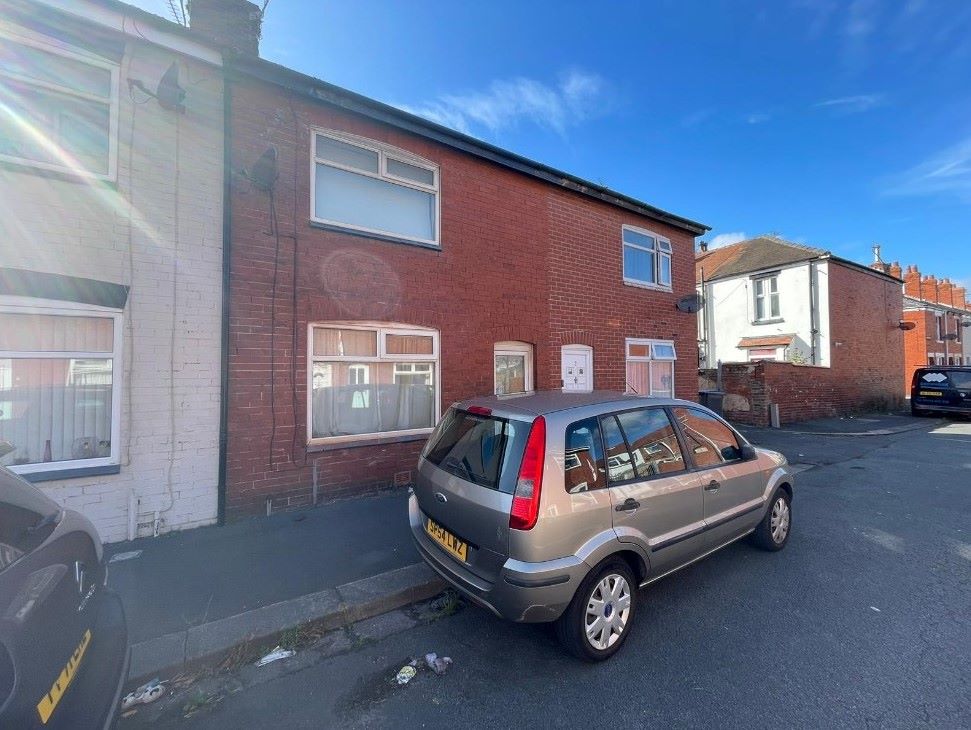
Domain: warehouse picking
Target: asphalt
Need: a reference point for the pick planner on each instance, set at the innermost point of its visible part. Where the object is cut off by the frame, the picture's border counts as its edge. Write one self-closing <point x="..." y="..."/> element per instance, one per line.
<point x="861" y="621"/>
<point x="185" y="579"/>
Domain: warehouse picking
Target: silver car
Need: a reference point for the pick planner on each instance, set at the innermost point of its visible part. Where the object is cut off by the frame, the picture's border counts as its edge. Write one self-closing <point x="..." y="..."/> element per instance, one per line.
<point x="558" y="506"/>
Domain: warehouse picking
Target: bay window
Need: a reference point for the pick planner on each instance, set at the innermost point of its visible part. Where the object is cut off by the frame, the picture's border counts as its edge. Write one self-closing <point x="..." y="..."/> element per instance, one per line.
<point x="59" y="109"/>
<point x="59" y="387"/>
<point x="371" y="380"/>
<point x="367" y="186"/>
<point x="650" y="367"/>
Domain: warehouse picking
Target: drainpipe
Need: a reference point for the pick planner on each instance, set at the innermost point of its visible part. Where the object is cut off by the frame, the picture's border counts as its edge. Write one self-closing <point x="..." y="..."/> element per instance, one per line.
<point x="224" y="352"/>
<point x="812" y="313"/>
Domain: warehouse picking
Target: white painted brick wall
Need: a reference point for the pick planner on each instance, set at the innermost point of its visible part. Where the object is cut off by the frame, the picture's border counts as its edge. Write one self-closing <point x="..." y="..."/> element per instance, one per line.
<point x="83" y="230"/>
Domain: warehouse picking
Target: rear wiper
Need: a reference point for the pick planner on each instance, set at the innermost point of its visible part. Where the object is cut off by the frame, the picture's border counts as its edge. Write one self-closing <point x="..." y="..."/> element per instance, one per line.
<point x="451" y="462"/>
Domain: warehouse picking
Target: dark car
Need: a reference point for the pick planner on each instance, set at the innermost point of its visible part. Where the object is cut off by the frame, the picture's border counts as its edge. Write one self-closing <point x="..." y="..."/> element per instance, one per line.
<point x="943" y="389"/>
<point x="63" y="636"/>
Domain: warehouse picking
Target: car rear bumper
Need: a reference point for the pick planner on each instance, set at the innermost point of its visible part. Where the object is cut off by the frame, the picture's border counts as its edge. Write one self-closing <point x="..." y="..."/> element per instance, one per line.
<point x="941" y="407"/>
<point x="527" y="592"/>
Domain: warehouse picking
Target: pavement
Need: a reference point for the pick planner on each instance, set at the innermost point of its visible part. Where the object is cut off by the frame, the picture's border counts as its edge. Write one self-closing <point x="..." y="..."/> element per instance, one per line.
<point x="861" y="621"/>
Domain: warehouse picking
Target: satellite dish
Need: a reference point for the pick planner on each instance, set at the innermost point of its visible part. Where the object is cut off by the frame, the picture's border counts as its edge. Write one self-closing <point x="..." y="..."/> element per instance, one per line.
<point x="906" y="325"/>
<point x="950" y="336"/>
<point x="264" y="173"/>
<point x="169" y="94"/>
<point x="691" y="303"/>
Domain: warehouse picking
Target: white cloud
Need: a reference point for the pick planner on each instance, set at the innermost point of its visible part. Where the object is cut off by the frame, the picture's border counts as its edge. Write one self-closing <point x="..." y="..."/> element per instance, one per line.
<point x="726" y="239"/>
<point x="505" y="103"/>
<point x="757" y="118"/>
<point x="852" y="104"/>
<point x="948" y="172"/>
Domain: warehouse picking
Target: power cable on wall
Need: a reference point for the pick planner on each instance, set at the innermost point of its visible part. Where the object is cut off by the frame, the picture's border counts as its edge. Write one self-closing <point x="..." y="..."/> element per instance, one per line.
<point x="293" y="298"/>
<point x="275" y="232"/>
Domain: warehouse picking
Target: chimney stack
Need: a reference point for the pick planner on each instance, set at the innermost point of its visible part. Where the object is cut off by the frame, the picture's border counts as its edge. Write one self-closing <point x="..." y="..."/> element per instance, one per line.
<point x="232" y="24"/>
<point x="912" y="286"/>
<point x="945" y="293"/>
<point x="703" y="245"/>
<point x="960" y="297"/>
<point x="895" y="270"/>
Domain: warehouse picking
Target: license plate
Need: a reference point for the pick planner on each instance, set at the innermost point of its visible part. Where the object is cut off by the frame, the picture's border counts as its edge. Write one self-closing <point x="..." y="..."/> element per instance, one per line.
<point x="447" y="540"/>
<point x="931" y="392"/>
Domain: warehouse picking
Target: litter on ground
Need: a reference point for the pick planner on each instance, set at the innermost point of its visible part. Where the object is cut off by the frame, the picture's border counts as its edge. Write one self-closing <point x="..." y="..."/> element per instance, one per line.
<point x="275" y="655"/>
<point x="406" y="674"/>
<point x="437" y="664"/>
<point x="148" y="692"/>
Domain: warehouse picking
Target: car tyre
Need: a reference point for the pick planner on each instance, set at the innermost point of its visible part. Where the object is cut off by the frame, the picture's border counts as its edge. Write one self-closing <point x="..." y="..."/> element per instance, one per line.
<point x="598" y="620"/>
<point x="773" y="531"/>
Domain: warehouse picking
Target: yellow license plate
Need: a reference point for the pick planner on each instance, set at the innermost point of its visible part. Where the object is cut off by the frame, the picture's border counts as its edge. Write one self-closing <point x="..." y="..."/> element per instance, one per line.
<point x="931" y="392"/>
<point x="447" y="540"/>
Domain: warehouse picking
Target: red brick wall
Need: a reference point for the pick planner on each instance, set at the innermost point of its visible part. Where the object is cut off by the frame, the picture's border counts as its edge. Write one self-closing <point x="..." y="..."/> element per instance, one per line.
<point x="866" y="367"/>
<point x="504" y="272"/>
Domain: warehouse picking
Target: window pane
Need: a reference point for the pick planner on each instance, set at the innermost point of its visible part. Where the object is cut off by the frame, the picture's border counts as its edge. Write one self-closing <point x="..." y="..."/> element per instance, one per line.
<point x="410" y="172"/>
<point x="663" y="245"/>
<point x="409" y="345"/>
<point x="345" y="343"/>
<point x="638" y="239"/>
<point x="652" y="442"/>
<point x="53" y="68"/>
<point x="638" y="264"/>
<point x="619" y="468"/>
<point x="637" y="377"/>
<point x="55" y="409"/>
<point x="50" y="333"/>
<point x="711" y="441"/>
<point x="510" y="374"/>
<point x="366" y="202"/>
<point x="662" y="378"/>
<point x="396" y="397"/>
<point x="583" y="465"/>
<point x="773" y="284"/>
<point x="759" y="307"/>
<point x="44" y="126"/>
<point x="638" y="350"/>
<point x="347" y="154"/>
<point x="665" y="270"/>
<point x="663" y="351"/>
<point x="774" y="304"/>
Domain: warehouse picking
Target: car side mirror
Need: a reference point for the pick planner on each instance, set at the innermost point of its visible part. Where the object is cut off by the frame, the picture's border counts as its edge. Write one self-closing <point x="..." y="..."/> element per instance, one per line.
<point x="748" y="452"/>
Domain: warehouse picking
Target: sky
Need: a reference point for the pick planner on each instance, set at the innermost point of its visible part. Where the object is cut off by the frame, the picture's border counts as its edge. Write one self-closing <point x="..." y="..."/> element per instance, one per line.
<point x="834" y="124"/>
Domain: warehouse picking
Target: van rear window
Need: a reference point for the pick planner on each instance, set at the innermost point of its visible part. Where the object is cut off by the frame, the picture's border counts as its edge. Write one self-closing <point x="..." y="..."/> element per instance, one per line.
<point x="945" y="378"/>
<point x="478" y="448"/>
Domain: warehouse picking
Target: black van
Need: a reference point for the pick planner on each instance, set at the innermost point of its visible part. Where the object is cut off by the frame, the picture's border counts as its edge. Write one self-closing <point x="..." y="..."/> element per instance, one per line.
<point x="63" y="636"/>
<point x="942" y="389"/>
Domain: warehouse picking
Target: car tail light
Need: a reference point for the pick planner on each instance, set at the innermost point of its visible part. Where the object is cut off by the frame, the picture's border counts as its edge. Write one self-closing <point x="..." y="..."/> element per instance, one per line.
<point x="525" y="500"/>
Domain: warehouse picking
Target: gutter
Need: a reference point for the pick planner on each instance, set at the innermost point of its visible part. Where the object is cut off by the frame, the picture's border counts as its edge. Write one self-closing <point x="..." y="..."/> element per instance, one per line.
<point x="224" y="325"/>
<point x="321" y="91"/>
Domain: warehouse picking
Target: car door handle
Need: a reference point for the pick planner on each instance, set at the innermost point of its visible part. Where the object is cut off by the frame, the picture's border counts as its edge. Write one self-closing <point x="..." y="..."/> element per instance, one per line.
<point x="712" y="486"/>
<point x="628" y="505"/>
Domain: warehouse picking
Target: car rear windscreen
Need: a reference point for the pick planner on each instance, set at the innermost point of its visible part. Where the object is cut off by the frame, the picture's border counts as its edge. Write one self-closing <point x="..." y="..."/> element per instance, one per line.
<point x="478" y="448"/>
<point x="944" y="378"/>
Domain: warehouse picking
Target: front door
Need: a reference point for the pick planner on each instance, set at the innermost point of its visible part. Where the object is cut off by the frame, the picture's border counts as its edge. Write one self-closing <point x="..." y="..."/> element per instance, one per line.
<point x="577" y="371"/>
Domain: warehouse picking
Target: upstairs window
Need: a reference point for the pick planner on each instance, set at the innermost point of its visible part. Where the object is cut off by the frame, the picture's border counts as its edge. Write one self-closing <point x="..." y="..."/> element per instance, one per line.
<point x="766" y="298"/>
<point x="59" y="108"/>
<point x="369" y="187"/>
<point x="940" y="327"/>
<point x="647" y="258"/>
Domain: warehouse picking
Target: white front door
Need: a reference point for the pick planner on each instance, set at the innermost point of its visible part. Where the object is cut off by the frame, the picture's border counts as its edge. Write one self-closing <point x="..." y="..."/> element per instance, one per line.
<point x="577" y="370"/>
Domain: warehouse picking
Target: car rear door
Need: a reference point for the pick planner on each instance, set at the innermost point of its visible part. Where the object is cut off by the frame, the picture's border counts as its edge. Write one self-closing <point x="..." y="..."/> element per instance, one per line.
<point x="732" y="487"/>
<point x="464" y="487"/>
<point x="656" y="501"/>
<point x="944" y="388"/>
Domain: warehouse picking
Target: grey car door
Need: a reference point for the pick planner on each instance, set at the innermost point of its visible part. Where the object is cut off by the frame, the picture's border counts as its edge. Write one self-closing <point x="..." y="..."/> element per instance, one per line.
<point x="656" y="501"/>
<point x="732" y="488"/>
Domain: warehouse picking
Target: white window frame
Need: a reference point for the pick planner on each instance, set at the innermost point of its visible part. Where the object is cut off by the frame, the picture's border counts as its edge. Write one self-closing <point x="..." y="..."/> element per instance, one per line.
<point x="381" y="329"/>
<point x="657" y="253"/>
<point x="650" y="359"/>
<point x="49" y="45"/>
<point x="940" y="322"/>
<point x="514" y="348"/>
<point x="30" y="305"/>
<point x="762" y="290"/>
<point x="384" y="152"/>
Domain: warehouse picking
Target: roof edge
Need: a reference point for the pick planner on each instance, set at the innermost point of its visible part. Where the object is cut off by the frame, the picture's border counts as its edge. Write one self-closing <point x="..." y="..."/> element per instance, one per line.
<point x="322" y="91"/>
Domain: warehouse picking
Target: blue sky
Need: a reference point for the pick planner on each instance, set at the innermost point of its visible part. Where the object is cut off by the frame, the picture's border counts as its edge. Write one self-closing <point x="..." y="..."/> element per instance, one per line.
<point x="837" y="124"/>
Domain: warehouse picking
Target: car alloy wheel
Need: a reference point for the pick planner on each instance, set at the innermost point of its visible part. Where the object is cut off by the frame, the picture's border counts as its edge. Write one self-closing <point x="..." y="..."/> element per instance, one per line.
<point x="779" y="522"/>
<point x="608" y="609"/>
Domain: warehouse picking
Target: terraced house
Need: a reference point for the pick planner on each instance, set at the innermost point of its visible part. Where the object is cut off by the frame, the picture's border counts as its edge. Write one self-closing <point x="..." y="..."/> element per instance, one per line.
<point x="383" y="266"/>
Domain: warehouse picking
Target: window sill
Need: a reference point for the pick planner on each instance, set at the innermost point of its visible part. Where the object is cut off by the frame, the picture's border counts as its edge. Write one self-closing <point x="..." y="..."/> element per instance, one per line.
<point x="54" y="173"/>
<point x="646" y="285"/>
<point x="353" y="443"/>
<point x="774" y="320"/>
<point x="374" y="236"/>
<point x="82" y="471"/>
